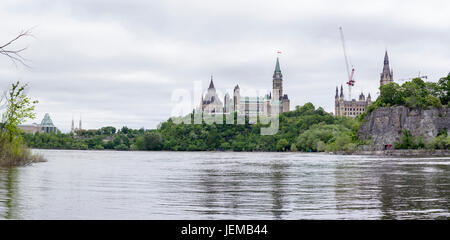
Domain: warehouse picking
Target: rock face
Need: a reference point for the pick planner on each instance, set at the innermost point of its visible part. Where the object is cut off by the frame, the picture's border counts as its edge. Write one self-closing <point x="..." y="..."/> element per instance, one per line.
<point x="384" y="125"/>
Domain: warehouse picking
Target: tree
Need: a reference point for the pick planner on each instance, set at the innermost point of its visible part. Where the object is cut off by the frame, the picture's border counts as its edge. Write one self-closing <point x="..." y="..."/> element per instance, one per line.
<point x="153" y="141"/>
<point x="19" y="107"/>
<point x="282" y="145"/>
<point x="444" y="85"/>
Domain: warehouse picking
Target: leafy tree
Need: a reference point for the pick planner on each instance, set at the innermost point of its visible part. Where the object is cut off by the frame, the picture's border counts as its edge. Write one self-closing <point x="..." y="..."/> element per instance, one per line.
<point x="153" y="141"/>
<point x="19" y="107"/>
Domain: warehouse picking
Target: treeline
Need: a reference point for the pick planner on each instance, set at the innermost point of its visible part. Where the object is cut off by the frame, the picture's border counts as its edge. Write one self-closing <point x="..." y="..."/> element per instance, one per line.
<point x="304" y="129"/>
<point x="104" y="138"/>
<point x="413" y="94"/>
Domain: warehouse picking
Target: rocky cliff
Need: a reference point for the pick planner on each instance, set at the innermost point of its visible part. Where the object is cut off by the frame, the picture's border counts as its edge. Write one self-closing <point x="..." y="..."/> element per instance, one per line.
<point x="385" y="125"/>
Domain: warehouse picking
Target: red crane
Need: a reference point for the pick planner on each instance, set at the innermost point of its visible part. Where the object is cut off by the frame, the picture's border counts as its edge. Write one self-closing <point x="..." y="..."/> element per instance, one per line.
<point x="351" y="81"/>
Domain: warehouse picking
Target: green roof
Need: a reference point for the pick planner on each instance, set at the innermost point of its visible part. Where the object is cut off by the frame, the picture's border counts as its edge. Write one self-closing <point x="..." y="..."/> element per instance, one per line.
<point x="277" y="67"/>
<point x="47" y="121"/>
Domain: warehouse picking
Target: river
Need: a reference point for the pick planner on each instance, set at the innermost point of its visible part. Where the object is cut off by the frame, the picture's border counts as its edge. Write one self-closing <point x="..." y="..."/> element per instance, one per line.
<point x="225" y="185"/>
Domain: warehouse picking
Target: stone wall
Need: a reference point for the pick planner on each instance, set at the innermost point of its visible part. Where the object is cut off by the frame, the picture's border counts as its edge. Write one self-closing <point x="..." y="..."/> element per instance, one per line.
<point x="385" y="125"/>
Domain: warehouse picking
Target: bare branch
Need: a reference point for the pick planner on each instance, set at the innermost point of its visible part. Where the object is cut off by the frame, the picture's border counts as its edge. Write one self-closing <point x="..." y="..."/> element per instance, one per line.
<point x="14" y="54"/>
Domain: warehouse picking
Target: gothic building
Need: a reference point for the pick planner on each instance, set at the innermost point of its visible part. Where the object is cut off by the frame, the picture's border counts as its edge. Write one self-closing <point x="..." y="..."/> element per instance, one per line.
<point x="247" y="105"/>
<point x="353" y="108"/>
<point x="211" y="102"/>
<point x="387" y="76"/>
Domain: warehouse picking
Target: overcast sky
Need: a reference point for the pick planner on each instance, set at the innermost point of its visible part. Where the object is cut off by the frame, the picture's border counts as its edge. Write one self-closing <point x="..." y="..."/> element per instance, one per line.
<point x="117" y="62"/>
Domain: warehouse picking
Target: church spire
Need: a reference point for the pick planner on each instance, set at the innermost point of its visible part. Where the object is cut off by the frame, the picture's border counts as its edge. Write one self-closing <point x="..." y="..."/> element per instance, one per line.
<point x="211" y="84"/>
<point x="337" y="93"/>
<point x="387" y="74"/>
<point x="342" y="92"/>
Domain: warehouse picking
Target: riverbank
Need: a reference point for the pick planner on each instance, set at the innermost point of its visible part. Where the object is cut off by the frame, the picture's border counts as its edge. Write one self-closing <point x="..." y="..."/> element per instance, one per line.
<point x="403" y="153"/>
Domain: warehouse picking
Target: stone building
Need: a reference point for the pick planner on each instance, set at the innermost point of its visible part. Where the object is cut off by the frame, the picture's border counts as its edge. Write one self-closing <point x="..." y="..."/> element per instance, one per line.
<point x="211" y="103"/>
<point x="387" y="76"/>
<point x="353" y="107"/>
<point x="246" y="105"/>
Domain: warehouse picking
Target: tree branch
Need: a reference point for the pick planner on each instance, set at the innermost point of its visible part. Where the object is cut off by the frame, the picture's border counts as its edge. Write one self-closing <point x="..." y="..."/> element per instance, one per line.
<point x="14" y="54"/>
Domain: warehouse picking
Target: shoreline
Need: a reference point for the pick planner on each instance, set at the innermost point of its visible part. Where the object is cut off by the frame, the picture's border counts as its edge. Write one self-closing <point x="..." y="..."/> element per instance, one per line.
<point x="403" y="153"/>
<point x="396" y="153"/>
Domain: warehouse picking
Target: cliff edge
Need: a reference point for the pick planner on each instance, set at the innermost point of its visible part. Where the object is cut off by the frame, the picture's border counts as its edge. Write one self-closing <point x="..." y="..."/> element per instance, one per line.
<point x="384" y="125"/>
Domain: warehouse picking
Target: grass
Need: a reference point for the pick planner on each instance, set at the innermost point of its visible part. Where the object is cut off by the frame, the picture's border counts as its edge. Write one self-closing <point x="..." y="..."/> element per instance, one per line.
<point x="15" y="153"/>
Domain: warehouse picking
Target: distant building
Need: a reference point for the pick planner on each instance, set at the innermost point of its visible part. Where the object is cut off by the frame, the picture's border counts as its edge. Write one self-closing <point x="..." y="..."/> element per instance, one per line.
<point x="246" y="105"/>
<point x="211" y="102"/>
<point x="387" y="76"/>
<point x="46" y="126"/>
<point x="73" y="128"/>
<point x="353" y="107"/>
<point x="31" y="128"/>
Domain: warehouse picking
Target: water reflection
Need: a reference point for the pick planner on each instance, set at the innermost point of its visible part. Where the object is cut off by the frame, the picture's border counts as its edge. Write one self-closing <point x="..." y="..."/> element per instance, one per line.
<point x="8" y="192"/>
<point x="168" y="185"/>
<point x="231" y="188"/>
<point x="277" y="175"/>
<point x="415" y="190"/>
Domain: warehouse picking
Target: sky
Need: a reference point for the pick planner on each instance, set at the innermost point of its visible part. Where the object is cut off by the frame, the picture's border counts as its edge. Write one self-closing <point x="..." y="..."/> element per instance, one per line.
<point x="117" y="63"/>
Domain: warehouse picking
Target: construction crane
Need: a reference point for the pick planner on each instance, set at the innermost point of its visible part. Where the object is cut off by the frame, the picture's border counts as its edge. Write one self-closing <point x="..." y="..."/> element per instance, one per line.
<point x="351" y="81"/>
<point x="409" y="79"/>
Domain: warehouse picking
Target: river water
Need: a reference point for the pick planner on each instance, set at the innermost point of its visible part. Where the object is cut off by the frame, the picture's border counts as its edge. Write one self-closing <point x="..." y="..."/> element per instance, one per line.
<point x="225" y="185"/>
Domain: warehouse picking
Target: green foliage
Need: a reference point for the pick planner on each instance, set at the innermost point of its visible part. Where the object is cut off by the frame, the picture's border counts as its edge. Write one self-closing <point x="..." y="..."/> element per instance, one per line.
<point x="407" y="141"/>
<point x="19" y="108"/>
<point x="328" y="137"/>
<point x="282" y="145"/>
<point x="414" y="94"/>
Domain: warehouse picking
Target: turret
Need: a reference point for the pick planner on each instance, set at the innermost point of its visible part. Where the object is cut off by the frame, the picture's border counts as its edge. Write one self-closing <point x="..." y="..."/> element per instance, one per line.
<point x="342" y="93"/>
<point x="236" y="97"/>
<point x="337" y="93"/>
<point x="362" y="97"/>
<point x="277" y="81"/>
<point x="387" y="76"/>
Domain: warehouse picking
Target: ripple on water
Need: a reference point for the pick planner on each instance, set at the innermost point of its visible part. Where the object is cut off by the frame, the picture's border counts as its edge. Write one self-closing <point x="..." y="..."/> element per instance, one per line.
<point x="224" y="185"/>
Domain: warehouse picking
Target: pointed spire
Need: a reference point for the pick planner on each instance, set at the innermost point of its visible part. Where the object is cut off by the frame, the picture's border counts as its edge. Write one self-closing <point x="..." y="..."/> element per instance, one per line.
<point x="386" y="69"/>
<point x="342" y="92"/>
<point x="387" y="74"/>
<point x="386" y="58"/>
<point x="211" y="84"/>
<point x="277" y="66"/>
<point x="337" y="92"/>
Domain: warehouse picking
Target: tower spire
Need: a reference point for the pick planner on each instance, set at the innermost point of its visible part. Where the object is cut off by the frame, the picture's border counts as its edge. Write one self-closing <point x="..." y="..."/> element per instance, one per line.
<point x="277" y="66"/>
<point x="73" y="125"/>
<point x="211" y="84"/>
<point x="387" y="74"/>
